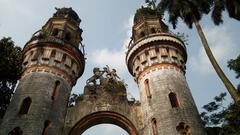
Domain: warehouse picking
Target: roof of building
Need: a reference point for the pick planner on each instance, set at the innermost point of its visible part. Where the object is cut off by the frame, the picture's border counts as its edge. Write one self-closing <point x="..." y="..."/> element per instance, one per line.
<point x="67" y="12"/>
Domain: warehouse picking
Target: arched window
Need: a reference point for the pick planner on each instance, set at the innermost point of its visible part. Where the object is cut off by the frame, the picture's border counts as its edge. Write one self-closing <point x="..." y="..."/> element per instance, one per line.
<point x="46" y="126"/>
<point x="25" y="105"/>
<point x="16" y="131"/>
<point x="55" y="90"/>
<point x="154" y="126"/>
<point x="147" y="89"/>
<point x="173" y="99"/>
<point x="55" y="32"/>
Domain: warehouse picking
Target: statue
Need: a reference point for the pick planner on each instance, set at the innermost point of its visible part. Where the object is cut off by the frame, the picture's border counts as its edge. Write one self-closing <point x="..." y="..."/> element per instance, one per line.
<point x="97" y="74"/>
<point x="111" y="74"/>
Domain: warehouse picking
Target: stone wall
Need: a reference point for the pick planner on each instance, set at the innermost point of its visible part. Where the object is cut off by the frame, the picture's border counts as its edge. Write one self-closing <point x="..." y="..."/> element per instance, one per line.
<point x="39" y="88"/>
<point x="109" y="100"/>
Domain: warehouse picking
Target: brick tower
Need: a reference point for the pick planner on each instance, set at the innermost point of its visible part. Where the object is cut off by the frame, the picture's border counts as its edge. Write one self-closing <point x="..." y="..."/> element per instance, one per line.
<point x="52" y="64"/>
<point x="156" y="58"/>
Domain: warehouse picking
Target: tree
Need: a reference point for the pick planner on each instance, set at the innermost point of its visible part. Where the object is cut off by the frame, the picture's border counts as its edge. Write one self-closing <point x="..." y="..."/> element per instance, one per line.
<point x="234" y="64"/>
<point x="10" y="71"/>
<point x="219" y="119"/>
<point x="232" y="6"/>
<point x="191" y="11"/>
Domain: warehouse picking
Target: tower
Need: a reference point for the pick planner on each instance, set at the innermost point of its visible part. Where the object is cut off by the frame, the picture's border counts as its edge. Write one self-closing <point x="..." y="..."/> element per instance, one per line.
<point x="52" y="64"/>
<point x="156" y="58"/>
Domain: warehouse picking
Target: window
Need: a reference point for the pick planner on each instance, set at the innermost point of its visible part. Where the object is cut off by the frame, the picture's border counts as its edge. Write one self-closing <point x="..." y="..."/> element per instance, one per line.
<point x="55" y="90"/>
<point x="173" y="99"/>
<point x="64" y="57"/>
<point x="142" y="34"/>
<point x="53" y="53"/>
<point x="55" y="32"/>
<point x="68" y="36"/>
<point x="16" y="131"/>
<point x="183" y="129"/>
<point x="146" y="85"/>
<point x="46" y="126"/>
<point x="154" y="126"/>
<point x="25" y="105"/>
<point x="153" y="30"/>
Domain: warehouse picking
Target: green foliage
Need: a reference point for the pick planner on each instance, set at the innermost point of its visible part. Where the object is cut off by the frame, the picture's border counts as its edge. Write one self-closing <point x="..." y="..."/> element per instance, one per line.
<point x="225" y="119"/>
<point x="188" y="10"/>
<point x="11" y="60"/>
<point x="114" y="84"/>
<point x="146" y="11"/>
<point x="214" y="111"/>
<point x="10" y="71"/>
<point x="234" y="64"/>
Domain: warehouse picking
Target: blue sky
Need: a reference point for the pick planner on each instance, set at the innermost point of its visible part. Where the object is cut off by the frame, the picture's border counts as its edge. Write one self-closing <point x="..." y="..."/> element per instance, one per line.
<point x="106" y="28"/>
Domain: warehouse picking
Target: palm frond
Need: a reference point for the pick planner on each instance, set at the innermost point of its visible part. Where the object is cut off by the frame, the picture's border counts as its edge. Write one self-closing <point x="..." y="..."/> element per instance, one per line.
<point x="218" y="8"/>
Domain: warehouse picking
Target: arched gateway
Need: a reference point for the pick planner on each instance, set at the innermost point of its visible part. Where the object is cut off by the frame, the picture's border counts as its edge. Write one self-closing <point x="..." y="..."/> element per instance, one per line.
<point x="105" y="103"/>
<point x="103" y="117"/>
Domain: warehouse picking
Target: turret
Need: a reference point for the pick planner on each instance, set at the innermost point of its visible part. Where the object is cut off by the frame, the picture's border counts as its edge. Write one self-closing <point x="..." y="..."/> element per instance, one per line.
<point x="53" y="61"/>
<point x="156" y="58"/>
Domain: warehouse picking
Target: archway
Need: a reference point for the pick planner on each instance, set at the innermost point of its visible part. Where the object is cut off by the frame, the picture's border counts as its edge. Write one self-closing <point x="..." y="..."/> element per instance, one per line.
<point x="105" y="129"/>
<point x="100" y="118"/>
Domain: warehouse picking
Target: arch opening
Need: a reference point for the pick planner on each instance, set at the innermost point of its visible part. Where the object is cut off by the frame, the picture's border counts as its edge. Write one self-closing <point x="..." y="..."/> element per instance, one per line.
<point x="173" y="100"/>
<point x="26" y="103"/>
<point x="105" y="129"/>
<point x="103" y="117"/>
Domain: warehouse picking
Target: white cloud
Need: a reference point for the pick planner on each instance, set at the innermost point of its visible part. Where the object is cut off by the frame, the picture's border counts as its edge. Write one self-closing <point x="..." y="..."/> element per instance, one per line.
<point x="222" y="46"/>
<point x="114" y="58"/>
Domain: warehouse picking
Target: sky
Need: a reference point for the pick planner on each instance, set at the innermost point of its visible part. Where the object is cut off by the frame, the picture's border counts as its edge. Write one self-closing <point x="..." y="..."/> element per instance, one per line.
<point x="106" y="28"/>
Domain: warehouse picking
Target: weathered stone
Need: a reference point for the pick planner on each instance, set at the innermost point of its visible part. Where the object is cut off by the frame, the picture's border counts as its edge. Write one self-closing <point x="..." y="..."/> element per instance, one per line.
<point x="53" y="63"/>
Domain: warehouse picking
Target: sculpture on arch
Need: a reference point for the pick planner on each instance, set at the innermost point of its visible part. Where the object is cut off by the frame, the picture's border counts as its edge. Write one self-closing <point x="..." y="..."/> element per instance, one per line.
<point x="111" y="74"/>
<point x="97" y="75"/>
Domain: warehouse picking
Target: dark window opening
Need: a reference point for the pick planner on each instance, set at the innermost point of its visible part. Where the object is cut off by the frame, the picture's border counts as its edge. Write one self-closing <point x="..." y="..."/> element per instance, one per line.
<point x="142" y="34"/>
<point x="55" y="32"/>
<point x="55" y="90"/>
<point x="173" y="99"/>
<point x="64" y="57"/>
<point x="183" y="129"/>
<point x="153" y="30"/>
<point x="25" y="105"/>
<point x="147" y="89"/>
<point x="154" y="126"/>
<point x="53" y="53"/>
<point x="68" y="36"/>
<point x="46" y="126"/>
<point x="16" y="131"/>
